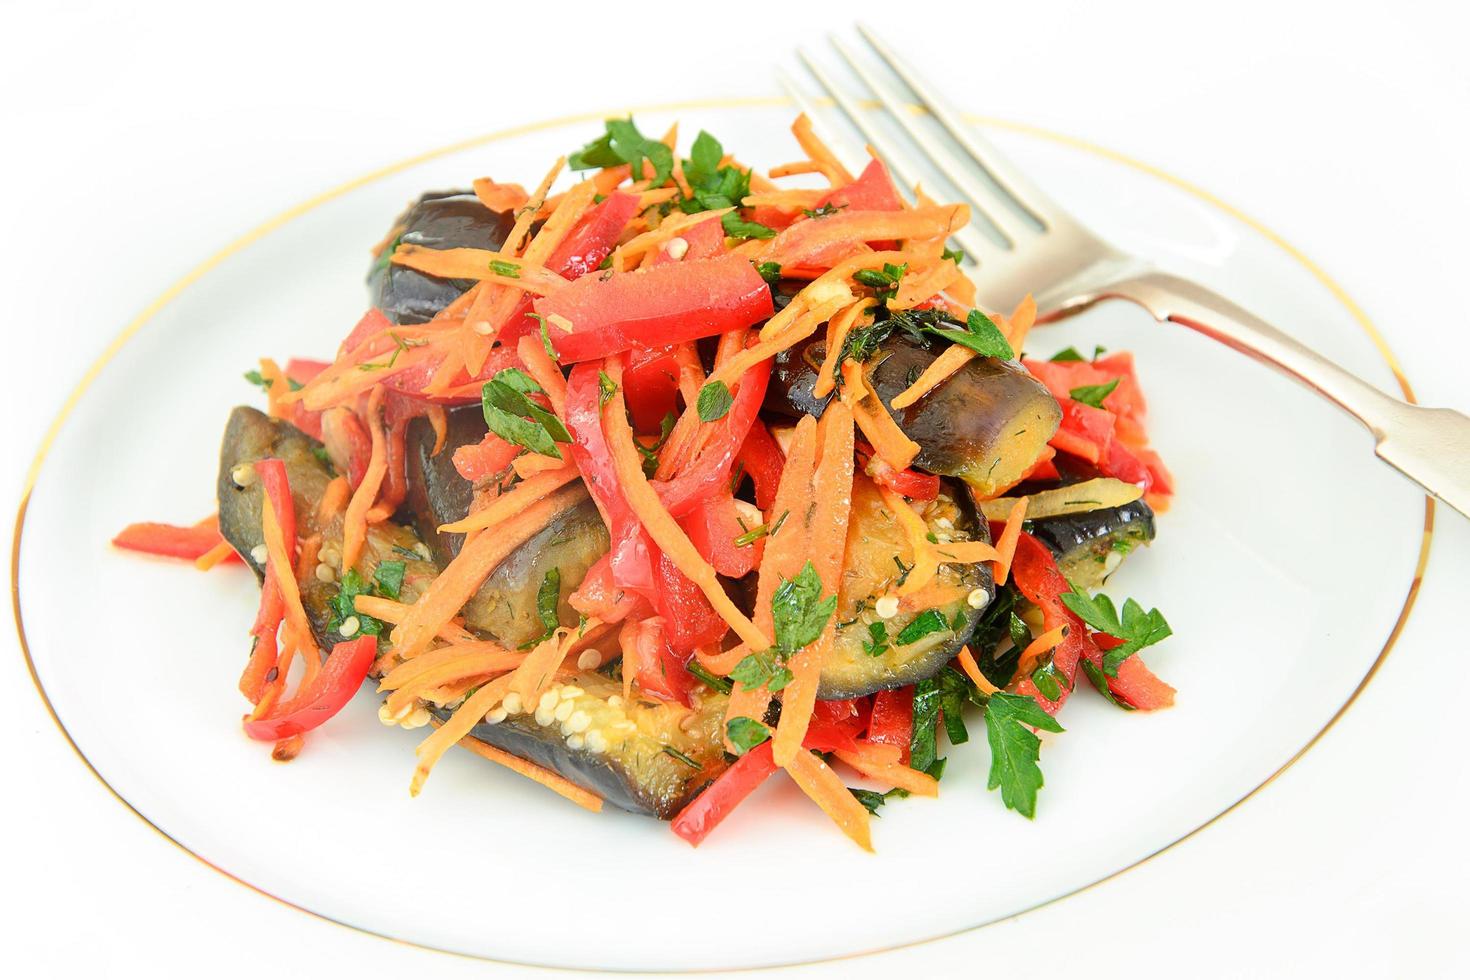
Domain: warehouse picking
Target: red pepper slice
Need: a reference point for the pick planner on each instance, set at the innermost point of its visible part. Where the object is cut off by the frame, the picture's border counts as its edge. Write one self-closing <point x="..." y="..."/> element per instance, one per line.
<point x="704" y="240"/>
<point x="892" y="721"/>
<point x="909" y="482"/>
<point x="872" y="191"/>
<point x="263" y="653"/>
<point x="763" y="462"/>
<point x="689" y="620"/>
<point x="1037" y="577"/>
<point x="666" y="304"/>
<point x="340" y="677"/>
<point x="482" y="460"/>
<point x="661" y="671"/>
<point x="1136" y="685"/>
<point x="651" y="386"/>
<point x="348" y="444"/>
<point x="170" y="540"/>
<point x="1060" y="377"/>
<point x="713" y="526"/>
<point x="705" y="812"/>
<point x="598" y="596"/>
<point x="594" y="236"/>
<point x="709" y="472"/>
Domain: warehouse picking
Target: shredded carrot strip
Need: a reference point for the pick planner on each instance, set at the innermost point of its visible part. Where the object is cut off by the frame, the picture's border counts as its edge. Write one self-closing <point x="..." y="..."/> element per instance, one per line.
<point x="950" y="360"/>
<point x="535" y="672"/>
<point x="334" y="499"/>
<point x="831" y="280"/>
<point x="785" y="200"/>
<point x="891" y="773"/>
<point x="410" y="670"/>
<point x="439" y="422"/>
<point x="1044" y="643"/>
<point x="889" y="442"/>
<point x="814" y="148"/>
<point x="965" y="552"/>
<point x="649" y="198"/>
<point x="527" y="215"/>
<point x="528" y="464"/>
<point x="393" y="613"/>
<point x="355" y="522"/>
<point x="914" y="289"/>
<point x="721" y="662"/>
<point x="474" y="563"/>
<point x="837" y="330"/>
<point x="466" y="717"/>
<point x="214" y="556"/>
<point x="972" y="671"/>
<point x="802" y="328"/>
<point x="808" y="242"/>
<point x="466" y="665"/>
<point x="826" y="789"/>
<point x="544" y="372"/>
<point x="558" y="784"/>
<point x="306" y="560"/>
<point x="1022" y="320"/>
<point x="500" y="197"/>
<point x="796" y="167"/>
<point x="523" y="494"/>
<point x="831" y="491"/>
<point x="628" y="644"/>
<point x="1006" y="547"/>
<point x="650" y="512"/>
<point x="474" y="263"/>
<point x="786" y="552"/>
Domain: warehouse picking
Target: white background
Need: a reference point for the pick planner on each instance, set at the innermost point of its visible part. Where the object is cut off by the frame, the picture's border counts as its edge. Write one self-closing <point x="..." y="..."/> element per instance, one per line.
<point x="137" y="141"/>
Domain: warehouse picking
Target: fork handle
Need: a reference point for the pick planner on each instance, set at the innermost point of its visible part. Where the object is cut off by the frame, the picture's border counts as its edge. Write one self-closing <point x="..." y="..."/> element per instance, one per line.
<point x="1431" y="446"/>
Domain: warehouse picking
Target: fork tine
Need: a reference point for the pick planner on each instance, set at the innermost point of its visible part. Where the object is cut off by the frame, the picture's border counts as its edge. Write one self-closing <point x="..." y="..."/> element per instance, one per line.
<point x="974" y="243"/>
<point x="1025" y="194"/>
<point x="992" y="205"/>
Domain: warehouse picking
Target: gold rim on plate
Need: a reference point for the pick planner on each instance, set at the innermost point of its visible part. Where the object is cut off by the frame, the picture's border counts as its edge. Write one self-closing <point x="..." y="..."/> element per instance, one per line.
<point x="271" y="225"/>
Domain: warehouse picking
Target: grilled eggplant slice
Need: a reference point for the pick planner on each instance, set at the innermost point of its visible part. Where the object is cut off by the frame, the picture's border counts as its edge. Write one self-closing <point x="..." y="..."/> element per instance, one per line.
<point x="1090" y="546"/>
<point x="505" y="606"/>
<point x="445" y="219"/>
<point x="986" y="425"/>
<point x="876" y="545"/>
<point x="649" y="757"/>
<point x="251" y="435"/>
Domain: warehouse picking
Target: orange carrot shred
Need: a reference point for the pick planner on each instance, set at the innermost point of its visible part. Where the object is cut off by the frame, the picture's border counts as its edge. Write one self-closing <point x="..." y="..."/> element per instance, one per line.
<point x="355" y="522"/>
<point x="826" y="789"/>
<point x="466" y="717"/>
<point x="972" y="671"/>
<point x="1006" y="546"/>
<point x="553" y="781"/>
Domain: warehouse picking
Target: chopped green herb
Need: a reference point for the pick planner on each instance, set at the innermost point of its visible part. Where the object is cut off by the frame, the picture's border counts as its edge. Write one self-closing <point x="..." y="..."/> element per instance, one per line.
<point x="548" y="599"/>
<point x="981" y="335"/>
<point x="714" y="401"/>
<point x="769" y="271"/>
<point x="746" y="733"/>
<point x="1020" y="632"/>
<point x="711" y="680"/>
<point x="779" y="521"/>
<point x="1015" y="749"/>
<point x="1093" y="394"/>
<point x="877" y="642"/>
<point x="798" y="612"/>
<point x="352" y="586"/>
<point x="824" y="211"/>
<point x="1100" y="682"/>
<point x="870" y="800"/>
<point x="399" y="346"/>
<point x="1138" y="629"/>
<point x="943" y="694"/>
<point x="257" y="379"/>
<point x="516" y="419"/>
<point x="388" y="579"/>
<point x="766" y="669"/>
<point x="955" y="255"/>
<point x="737" y="227"/>
<point x="606" y="388"/>
<point x="545" y="334"/>
<point x="1067" y="354"/>
<point x="669" y="750"/>
<point x="903" y="571"/>
<point x="623" y="143"/>
<point x="884" y="282"/>
<point x="928" y="621"/>
<point x="507" y="269"/>
<point x="650" y="453"/>
<point x="751" y="536"/>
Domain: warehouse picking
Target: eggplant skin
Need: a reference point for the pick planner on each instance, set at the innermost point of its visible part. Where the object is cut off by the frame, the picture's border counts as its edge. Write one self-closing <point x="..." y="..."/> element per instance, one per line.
<point x="1085" y="544"/>
<point x="441" y="219"/>
<point x="505" y="605"/>
<point x="986" y="424"/>
<point x="250" y="436"/>
<point x="633" y="772"/>
<point x="874" y="540"/>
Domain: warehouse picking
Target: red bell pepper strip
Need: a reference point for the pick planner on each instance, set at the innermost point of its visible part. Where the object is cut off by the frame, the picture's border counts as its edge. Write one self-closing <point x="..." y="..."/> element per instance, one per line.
<point x="892" y="721"/>
<point x="1061" y="377"/>
<point x="1037" y="577"/>
<point x="662" y="672"/>
<point x="666" y="304"/>
<point x="170" y="540"/>
<point x="340" y="677"/>
<point x="651" y="386"/>
<point x="872" y="191"/>
<point x="909" y="482"/>
<point x="709" y="472"/>
<point x="689" y="620"/>
<point x="705" y="812"/>
<point x="713" y="527"/>
<point x="836" y="725"/>
<point x="598" y="596"/>
<point x="702" y="241"/>
<point x="348" y="444"/>
<point x="1135" y="685"/>
<point x="763" y="462"/>
<point x="302" y="370"/>
<point x="482" y="460"/>
<point x="594" y="236"/>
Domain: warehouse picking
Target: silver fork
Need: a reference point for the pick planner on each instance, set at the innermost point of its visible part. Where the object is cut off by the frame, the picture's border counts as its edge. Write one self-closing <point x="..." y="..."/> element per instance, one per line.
<point x="1068" y="268"/>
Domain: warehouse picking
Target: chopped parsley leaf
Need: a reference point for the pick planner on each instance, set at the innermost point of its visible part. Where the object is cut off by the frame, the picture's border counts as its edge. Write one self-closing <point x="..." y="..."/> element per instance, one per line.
<point x="1093" y="394"/>
<point x="1138" y="629"/>
<point x="1015" y="749"/>
<point x="746" y="733"/>
<point x="714" y="401"/>
<point x="798" y="612"/>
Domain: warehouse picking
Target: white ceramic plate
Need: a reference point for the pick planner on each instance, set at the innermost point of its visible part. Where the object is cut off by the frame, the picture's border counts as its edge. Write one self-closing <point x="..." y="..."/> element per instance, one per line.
<point x="1283" y="569"/>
